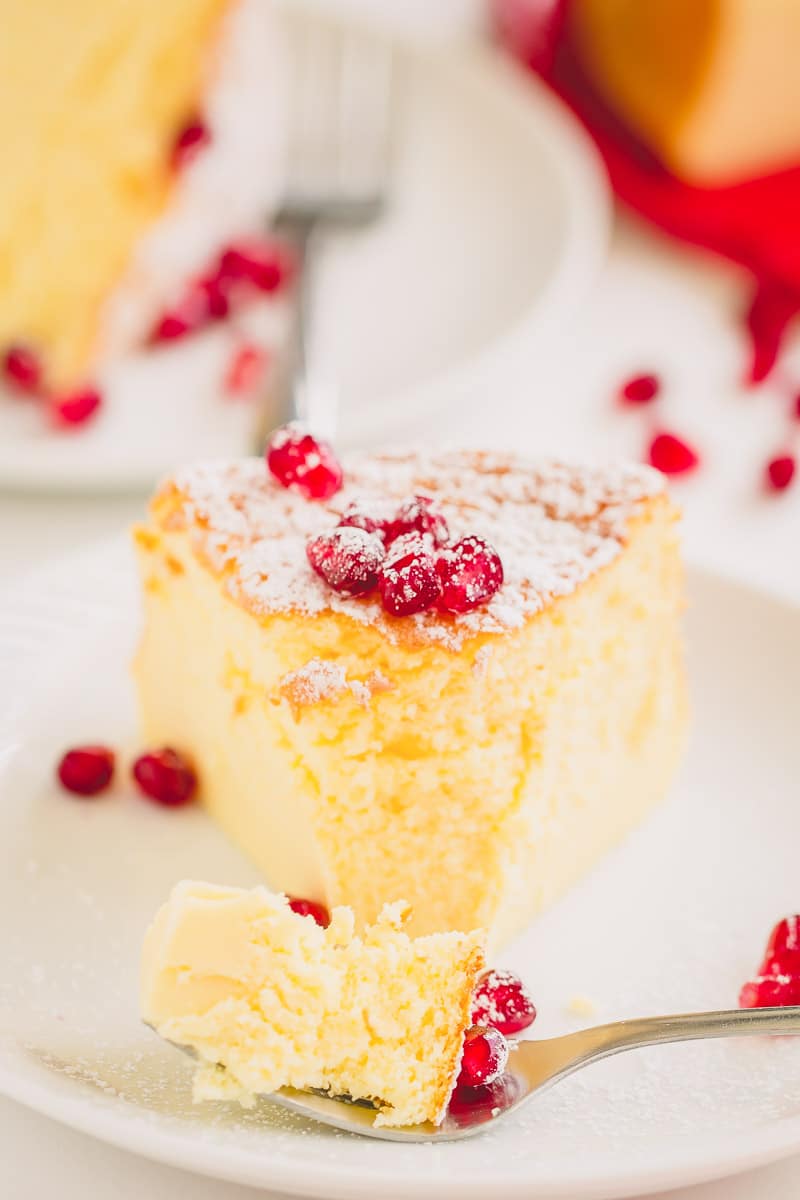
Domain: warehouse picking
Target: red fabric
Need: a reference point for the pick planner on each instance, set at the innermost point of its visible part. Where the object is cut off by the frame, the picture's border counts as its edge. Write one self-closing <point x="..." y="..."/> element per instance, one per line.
<point x="755" y="224"/>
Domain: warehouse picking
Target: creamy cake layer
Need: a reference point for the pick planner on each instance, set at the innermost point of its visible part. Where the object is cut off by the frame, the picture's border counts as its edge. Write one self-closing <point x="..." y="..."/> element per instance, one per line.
<point x="267" y="999"/>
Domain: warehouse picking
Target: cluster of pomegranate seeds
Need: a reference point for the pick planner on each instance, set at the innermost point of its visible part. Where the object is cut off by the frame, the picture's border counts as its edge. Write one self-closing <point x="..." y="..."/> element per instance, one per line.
<point x="241" y="271"/>
<point x="408" y="581"/>
<point x="303" y="463"/>
<point x="671" y="454"/>
<point x="76" y="408"/>
<point x="165" y="777"/>
<point x="402" y="550"/>
<point x="484" y="1056"/>
<point x="310" y="908"/>
<point x="191" y="139"/>
<point x="470" y="572"/>
<point x="348" y="559"/>
<point x="245" y="370"/>
<point x="502" y="1001"/>
<point x="778" y="980"/>
<point x="22" y="369"/>
<point x="640" y="389"/>
<point x="780" y="472"/>
<point x="86" y="770"/>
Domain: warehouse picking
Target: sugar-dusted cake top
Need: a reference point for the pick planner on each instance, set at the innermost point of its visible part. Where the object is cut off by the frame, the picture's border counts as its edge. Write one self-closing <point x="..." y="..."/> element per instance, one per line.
<point x="553" y="524"/>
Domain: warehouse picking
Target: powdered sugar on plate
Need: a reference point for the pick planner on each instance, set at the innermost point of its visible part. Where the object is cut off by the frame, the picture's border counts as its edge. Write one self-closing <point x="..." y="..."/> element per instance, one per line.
<point x="552" y="523"/>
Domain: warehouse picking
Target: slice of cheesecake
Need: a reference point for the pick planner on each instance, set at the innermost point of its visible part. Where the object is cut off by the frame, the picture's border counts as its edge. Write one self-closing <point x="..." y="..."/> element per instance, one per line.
<point x="105" y="222"/>
<point x="268" y="999"/>
<point x="475" y="764"/>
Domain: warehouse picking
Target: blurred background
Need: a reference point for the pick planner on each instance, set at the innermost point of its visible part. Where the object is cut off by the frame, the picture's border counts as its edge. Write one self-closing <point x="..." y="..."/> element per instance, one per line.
<point x="571" y="228"/>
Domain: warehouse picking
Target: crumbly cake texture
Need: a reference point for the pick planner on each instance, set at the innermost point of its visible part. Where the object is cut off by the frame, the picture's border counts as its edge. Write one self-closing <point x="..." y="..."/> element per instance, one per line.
<point x="502" y="751"/>
<point x="267" y="999"/>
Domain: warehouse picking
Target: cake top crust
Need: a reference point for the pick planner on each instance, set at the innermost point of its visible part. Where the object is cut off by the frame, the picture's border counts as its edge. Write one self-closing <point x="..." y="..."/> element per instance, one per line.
<point x="553" y="524"/>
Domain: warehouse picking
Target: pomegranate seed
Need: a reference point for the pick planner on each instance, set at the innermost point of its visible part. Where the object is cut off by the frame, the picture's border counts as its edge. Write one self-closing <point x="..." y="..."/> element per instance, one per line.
<point x="780" y="472"/>
<point x="479" y="1104"/>
<point x="671" y="454"/>
<point x="484" y="1056"/>
<point x="310" y="908"/>
<point x="348" y="559"/>
<point x="407" y="580"/>
<point x="245" y="370"/>
<point x="166" y="777"/>
<point x="502" y="1001"/>
<point x="191" y="139"/>
<point x="193" y="310"/>
<point x="470" y="573"/>
<point x="86" y="770"/>
<point x="76" y="408"/>
<point x="265" y="266"/>
<point x="773" y="991"/>
<point x="302" y="462"/>
<point x="641" y="389"/>
<point x="782" y="956"/>
<point x="369" y="518"/>
<point x="22" y="368"/>
<point x="217" y="300"/>
<point x="416" y="515"/>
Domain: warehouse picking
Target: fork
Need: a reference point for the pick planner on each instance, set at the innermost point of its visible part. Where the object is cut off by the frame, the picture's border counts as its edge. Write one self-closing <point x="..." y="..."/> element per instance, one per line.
<point x="536" y="1065"/>
<point x="338" y="157"/>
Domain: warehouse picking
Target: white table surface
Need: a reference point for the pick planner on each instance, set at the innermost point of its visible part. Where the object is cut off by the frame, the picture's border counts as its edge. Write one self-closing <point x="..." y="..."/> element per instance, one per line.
<point x="654" y="308"/>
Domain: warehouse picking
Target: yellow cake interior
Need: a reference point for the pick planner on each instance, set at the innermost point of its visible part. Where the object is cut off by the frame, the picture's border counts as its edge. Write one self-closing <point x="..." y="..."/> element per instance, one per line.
<point x="92" y="97"/>
<point x="355" y="765"/>
<point x="267" y="999"/>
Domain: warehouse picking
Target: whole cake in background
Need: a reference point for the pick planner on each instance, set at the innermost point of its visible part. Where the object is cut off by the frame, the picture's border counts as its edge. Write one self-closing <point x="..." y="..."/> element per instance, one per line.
<point x="140" y="141"/>
<point x="452" y="678"/>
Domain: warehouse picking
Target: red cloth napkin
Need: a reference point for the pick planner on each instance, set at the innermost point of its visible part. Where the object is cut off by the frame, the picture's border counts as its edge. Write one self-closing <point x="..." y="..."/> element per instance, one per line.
<point x="755" y="224"/>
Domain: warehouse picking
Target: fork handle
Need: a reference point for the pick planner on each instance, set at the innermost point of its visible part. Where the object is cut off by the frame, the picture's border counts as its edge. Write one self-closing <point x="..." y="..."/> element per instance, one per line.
<point x="286" y="394"/>
<point x="544" y="1062"/>
<point x="685" y="1027"/>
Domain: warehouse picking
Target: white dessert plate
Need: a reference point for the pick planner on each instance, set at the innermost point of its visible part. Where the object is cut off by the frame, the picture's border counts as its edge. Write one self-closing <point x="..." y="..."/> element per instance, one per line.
<point x="675" y="919"/>
<point x="498" y="223"/>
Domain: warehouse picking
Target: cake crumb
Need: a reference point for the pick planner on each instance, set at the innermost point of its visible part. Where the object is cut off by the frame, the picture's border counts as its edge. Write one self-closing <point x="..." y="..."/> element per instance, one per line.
<point x="481" y="661"/>
<point x="319" y="680"/>
<point x="581" y="1006"/>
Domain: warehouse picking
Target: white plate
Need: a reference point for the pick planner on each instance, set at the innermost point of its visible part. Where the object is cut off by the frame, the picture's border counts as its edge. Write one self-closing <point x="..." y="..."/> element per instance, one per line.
<point x="675" y="919"/>
<point x="498" y="224"/>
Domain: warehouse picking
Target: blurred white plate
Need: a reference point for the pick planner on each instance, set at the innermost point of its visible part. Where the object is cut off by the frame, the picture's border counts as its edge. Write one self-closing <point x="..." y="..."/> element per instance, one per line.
<point x="675" y="919"/>
<point x="498" y="223"/>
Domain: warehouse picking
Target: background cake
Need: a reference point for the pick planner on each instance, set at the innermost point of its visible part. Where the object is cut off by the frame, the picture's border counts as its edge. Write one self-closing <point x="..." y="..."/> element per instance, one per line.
<point x="477" y="764"/>
<point x="104" y="217"/>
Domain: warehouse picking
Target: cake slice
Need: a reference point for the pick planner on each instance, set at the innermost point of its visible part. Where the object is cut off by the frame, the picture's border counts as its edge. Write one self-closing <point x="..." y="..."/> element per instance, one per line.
<point x="268" y="999"/>
<point x="476" y="764"/>
<point x="101" y="225"/>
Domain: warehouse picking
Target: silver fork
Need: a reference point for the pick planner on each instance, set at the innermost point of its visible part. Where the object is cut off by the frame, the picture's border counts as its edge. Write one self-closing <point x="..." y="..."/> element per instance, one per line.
<point x="534" y="1066"/>
<point x="338" y="157"/>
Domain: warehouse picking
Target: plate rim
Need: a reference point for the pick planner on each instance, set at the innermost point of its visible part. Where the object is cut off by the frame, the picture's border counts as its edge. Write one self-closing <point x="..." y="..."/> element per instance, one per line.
<point x="123" y="1125"/>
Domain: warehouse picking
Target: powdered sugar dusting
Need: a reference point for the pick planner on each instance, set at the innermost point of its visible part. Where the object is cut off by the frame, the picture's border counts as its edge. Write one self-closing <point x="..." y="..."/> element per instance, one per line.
<point x="320" y="680"/>
<point x="553" y="525"/>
